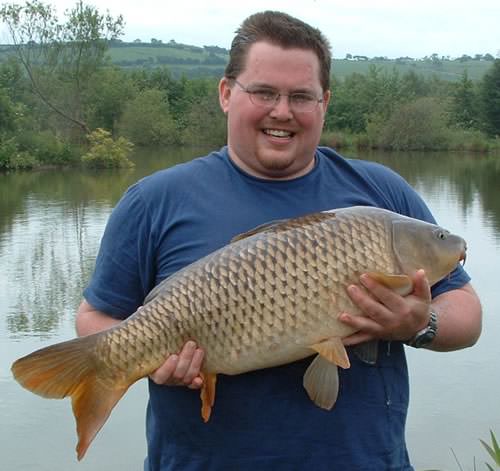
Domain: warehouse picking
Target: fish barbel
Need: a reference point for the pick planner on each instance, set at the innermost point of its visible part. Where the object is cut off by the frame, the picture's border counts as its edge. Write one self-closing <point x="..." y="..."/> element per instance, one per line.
<point x="270" y="297"/>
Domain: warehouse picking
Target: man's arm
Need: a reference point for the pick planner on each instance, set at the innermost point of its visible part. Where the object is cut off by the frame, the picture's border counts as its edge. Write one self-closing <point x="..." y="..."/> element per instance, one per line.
<point x="179" y="369"/>
<point x="389" y="316"/>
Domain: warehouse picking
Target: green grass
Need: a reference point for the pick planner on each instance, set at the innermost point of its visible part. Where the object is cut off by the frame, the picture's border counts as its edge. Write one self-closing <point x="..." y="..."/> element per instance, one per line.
<point x="131" y="55"/>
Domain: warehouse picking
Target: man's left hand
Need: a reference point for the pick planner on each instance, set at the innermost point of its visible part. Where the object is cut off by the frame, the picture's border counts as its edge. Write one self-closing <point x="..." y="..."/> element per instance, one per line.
<point x="386" y="315"/>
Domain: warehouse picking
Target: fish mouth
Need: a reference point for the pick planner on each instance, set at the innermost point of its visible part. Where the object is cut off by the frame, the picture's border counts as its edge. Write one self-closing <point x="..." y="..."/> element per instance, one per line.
<point x="463" y="257"/>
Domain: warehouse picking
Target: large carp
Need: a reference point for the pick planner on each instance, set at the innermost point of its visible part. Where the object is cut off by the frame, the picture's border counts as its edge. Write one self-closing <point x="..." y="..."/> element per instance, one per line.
<point x="270" y="297"/>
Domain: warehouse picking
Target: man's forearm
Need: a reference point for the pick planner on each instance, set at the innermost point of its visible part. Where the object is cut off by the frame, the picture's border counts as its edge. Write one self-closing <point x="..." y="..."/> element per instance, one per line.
<point x="89" y="320"/>
<point x="459" y="319"/>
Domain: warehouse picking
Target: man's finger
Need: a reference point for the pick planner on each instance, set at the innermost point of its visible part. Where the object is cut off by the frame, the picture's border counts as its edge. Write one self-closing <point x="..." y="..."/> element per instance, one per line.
<point x="421" y="288"/>
<point x="194" y="368"/>
<point x="185" y="358"/>
<point x="165" y="371"/>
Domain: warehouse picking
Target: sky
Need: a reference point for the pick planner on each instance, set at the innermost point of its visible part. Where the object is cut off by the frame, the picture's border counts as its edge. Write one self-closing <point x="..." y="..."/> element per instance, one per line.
<point x="391" y="28"/>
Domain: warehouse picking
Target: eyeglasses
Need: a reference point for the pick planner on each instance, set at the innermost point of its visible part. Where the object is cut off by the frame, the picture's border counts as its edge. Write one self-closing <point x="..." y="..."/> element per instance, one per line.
<point x="299" y="102"/>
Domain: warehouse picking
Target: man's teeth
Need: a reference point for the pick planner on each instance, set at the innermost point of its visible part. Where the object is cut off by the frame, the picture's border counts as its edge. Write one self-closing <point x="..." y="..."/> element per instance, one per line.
<point x="278" y="132"/>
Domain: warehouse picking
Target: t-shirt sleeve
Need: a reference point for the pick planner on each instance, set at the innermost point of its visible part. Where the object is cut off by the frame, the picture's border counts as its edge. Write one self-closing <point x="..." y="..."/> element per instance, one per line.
<point x="125" y="266"/>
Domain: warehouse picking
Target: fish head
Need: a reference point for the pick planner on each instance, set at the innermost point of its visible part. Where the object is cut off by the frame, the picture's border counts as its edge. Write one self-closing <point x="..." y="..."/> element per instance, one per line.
<point x="419" y="244"/>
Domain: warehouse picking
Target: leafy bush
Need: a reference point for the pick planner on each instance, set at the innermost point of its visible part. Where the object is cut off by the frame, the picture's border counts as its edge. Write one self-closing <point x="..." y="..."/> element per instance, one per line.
<point x="106" y="152"/>
<point x="47" y="147"/>
<point x="417" y="125"/>
<point x="11" y="158"/>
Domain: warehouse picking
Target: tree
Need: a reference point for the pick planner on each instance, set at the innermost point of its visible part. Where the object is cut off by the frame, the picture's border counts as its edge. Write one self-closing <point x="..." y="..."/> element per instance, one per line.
<point x="60" y="58"/>
<point x="490" y="99"/>
<point x="464" y="105"/>
<point x="146" y="120"/>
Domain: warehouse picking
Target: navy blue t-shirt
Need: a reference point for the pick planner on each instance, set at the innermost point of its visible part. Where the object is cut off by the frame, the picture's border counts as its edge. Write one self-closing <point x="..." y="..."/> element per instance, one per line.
<point x="262" y="420"/>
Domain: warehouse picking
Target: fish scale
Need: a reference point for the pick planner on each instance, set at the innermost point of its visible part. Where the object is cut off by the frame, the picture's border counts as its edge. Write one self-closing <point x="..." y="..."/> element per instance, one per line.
<point x="270" y="297"/>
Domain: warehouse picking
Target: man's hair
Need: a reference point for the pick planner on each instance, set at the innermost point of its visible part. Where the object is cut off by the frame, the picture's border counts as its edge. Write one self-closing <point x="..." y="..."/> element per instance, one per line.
<point x="282" y="30"/>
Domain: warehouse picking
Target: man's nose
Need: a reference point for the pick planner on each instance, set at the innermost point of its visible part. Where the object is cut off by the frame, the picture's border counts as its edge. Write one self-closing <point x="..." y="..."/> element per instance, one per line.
<point x="281" y="108"/>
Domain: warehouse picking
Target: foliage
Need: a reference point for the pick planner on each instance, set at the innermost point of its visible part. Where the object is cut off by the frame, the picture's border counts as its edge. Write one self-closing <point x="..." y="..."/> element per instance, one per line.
<point x="12" y="158"/>
<point x="106" y="152"/>
<point x="46" y="147"/>
<point x="493" y="450"/>
<point x="106" y="97"/>
<point x="418" y="125"/>
<point x="464" y="109"/>
<point x="205" y="122"/>
<point x="146" y="120"/>
<point x="490" y="99"/>
<point x="60" y="59"/>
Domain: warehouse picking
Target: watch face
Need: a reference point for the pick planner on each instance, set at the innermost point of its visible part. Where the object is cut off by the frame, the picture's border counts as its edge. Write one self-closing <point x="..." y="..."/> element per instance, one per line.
<point x="425" y="338"/>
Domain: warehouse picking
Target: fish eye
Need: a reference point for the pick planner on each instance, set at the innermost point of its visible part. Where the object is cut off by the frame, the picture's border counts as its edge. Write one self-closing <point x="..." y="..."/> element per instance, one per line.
<point x="442" y="234"/>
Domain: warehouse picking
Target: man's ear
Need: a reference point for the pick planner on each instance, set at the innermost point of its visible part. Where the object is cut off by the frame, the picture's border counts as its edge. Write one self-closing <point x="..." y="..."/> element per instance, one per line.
<point x="224" y="94"/>
<point x="326" y="99"/>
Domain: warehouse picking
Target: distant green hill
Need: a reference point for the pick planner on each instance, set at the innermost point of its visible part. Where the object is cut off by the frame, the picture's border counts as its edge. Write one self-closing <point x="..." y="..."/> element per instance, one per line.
<point x="210" y="61"/>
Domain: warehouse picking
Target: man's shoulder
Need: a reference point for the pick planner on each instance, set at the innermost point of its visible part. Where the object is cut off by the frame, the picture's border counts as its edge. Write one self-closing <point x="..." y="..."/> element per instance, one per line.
<point x="367" y="168"/>
<point x="183" y="175"/>
<point x="198" y="166"/>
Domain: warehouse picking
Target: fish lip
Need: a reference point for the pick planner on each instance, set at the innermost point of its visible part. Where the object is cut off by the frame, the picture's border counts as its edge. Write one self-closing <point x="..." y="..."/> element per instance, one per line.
<point x="463" y="256"/>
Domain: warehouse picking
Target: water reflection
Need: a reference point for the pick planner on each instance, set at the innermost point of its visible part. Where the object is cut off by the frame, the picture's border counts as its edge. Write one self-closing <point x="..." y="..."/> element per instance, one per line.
<point x="50" y="227"/>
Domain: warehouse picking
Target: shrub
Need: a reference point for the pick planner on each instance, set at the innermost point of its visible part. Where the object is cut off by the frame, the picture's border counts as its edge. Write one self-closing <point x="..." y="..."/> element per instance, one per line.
<point x="417" y="125"/>
<point x="48" y="148"/>
<point x="106" y="152"/>
<point x="11" y="158"/>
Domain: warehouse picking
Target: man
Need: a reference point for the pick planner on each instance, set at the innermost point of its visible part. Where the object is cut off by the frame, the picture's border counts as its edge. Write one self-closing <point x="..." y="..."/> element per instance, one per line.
<point x="275" y="93"/>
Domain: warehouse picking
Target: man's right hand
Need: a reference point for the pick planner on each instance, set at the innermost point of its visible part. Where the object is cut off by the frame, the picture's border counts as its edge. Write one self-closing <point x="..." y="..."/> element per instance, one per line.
<point x="181" y="369"/>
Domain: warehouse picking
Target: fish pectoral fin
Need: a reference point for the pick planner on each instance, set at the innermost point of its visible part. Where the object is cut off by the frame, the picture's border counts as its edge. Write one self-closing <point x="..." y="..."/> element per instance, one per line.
<point x="207" y="394"/>
<point x="321" y="381"/>
<point x="333" y="350"/>
<point x="92" y="405"/>
<point x="400" y="284"/>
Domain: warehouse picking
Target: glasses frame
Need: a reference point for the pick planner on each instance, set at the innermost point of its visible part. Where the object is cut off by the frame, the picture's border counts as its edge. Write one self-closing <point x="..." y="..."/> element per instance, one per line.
<point x="277" y="96"/>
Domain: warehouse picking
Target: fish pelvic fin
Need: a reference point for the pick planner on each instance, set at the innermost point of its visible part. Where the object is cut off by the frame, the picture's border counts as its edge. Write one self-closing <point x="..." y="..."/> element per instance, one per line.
<point x="333" y="350"/>
<point x="70" y="369"/>
<point x="207" y="395"/>
<point x="321" y="381"/>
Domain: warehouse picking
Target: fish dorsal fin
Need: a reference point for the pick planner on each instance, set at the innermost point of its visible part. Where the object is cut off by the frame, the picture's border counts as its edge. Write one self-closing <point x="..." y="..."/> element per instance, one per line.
<point x="285" y="224"/>
<point x="321" y="381"/>
<point x="256" y="230"/>
<point x="401" y="284"/>
<point x="333" y="350"/>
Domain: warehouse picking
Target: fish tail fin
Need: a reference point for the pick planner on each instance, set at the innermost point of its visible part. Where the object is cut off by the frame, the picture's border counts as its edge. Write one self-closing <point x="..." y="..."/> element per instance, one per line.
<point x="70" y="369"/>
<point x="92" y="405"/>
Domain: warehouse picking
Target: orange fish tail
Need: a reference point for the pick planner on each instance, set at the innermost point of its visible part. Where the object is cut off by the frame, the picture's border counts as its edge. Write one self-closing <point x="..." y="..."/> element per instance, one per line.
<point x="70" y="369"/>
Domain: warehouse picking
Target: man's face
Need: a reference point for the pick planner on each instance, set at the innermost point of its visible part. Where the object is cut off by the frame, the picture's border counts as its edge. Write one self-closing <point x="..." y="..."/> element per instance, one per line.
<point x="275" y="142"/>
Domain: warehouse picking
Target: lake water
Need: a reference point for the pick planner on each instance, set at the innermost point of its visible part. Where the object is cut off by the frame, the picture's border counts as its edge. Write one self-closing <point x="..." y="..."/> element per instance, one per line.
<point x="50" y="226"/>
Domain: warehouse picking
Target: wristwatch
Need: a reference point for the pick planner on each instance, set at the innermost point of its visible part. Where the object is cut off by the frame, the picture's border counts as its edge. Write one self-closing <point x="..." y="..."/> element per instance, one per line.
<point x="425" y="336"/>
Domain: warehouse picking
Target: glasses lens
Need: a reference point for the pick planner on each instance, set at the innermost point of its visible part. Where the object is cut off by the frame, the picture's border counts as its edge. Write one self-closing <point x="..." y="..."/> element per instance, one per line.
<point x="302" y="102"/>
